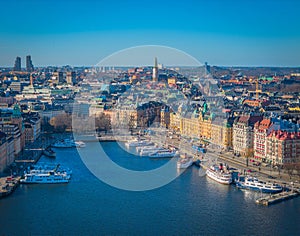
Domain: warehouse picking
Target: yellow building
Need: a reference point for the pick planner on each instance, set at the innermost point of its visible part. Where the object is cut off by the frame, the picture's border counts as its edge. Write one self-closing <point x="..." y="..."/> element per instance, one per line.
<point x="175" y="121"/>
<point x="190" y="126"/>
<point x="221" y="133"/>
<point x="205" y="127"/>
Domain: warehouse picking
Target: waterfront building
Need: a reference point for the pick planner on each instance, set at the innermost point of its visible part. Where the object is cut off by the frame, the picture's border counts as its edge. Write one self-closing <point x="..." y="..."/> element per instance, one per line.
<point x="283" y="147"/>
<point x="175" y="121"/>
<point x="221" y="132"/>
<point x="11" y="123"/>
<point x="205" y="126"/>
<point x="3" y="151"/>
<point x="243" y="136"/>
<point x="29" y="65"/>
<point x="17" y="66"/>
<point x="32" y="123"/>
<point x="261" y="130"/>
<point x="13" y="131"/>
<point x="190" y="126"/>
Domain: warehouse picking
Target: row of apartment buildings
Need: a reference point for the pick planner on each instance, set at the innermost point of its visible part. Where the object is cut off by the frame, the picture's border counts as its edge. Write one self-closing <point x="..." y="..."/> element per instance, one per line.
<point x="16" y="129"/>
<point x="261" y="139"/>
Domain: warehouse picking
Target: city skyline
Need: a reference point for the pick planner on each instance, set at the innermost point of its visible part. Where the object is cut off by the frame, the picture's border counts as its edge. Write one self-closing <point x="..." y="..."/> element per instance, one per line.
<point x="81" y="33"/>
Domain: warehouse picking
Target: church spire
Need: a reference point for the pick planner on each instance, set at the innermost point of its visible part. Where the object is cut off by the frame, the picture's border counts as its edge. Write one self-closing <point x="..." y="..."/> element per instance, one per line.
<point x="155" y="71"/>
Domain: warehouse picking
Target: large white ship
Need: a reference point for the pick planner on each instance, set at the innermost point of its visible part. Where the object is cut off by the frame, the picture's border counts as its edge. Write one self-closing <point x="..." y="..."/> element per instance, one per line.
<point x="45" y="177"/>
<point x="219" y="174"/>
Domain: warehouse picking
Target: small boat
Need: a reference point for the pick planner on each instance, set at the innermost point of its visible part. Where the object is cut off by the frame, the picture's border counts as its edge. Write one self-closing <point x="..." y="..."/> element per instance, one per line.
<point x="219" y="173"/>
<point x="64" y="143"/>
<point x="163" y="154"/>
<point x="49" y="152"/>
<point x="184" y="162"/>
<point x="80" y="144"/>
<point x="252" y="183"/>
<point x="68" y="143"/>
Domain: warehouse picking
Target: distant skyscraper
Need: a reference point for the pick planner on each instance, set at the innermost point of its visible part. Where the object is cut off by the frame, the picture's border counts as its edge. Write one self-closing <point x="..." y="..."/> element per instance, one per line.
<point x="17" y="66"/>
<point x="58" y="77"/>
<point x="71" y="77"/>
<point x="207" y="69"/>
<point x="29" y="66"/>
<point x="155" y="71"/>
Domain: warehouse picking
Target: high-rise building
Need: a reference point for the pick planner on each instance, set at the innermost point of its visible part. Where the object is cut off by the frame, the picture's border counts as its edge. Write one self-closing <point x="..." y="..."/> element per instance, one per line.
<point x="71" y="77"/>
<point x="17" y="66"/>
<point x="155" y="71"/>
<point x="29" y="65"/>
<point x="207" y="68"/>
<point x="58" y="77"/>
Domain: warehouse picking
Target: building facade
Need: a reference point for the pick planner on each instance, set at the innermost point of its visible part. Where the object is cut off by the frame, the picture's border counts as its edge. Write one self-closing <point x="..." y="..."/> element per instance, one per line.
<point x="261" y="131"/>
<point x="243" y="134"/>
<point x="283" y="147"/>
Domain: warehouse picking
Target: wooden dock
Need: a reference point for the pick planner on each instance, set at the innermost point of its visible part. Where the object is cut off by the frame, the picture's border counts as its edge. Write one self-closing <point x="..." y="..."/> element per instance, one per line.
<point x="275" y="198"/>
<point x="8" y="185"/>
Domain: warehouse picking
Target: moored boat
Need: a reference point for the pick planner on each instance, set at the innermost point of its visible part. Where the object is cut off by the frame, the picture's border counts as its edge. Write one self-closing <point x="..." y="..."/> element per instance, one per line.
<point x="64" y="143"/>
<point x="220" y="174"/>
<point x="148" y="151"/>
<point x="163" y="154"/>
<point x="45" y="177"/>
<point x="184" y="162"/>
<point x="252" y="183"/>
<point x="138" y="143"/>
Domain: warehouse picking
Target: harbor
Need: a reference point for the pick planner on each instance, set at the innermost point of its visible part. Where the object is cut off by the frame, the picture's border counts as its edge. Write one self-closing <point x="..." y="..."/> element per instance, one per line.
<point x="199" y="198"/>
<point x="202" y="159"/>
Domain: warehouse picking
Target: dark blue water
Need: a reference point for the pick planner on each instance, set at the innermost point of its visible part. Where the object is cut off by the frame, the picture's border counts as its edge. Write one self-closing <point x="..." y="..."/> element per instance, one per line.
<point x="188" y="205"/>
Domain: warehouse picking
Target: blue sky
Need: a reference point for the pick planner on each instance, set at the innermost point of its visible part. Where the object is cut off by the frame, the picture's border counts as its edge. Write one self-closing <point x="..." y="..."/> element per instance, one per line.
<point x="254" y="33"/>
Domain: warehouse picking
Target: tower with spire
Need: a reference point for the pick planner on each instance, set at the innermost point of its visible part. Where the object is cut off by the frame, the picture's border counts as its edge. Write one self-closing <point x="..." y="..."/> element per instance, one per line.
<point x="155" y="71"/>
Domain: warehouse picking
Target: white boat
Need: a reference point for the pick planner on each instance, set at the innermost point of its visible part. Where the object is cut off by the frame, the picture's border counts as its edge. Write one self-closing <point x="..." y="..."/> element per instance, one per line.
<point x="138" y="143"/>
<point x="254" y="184"/>
<point x="80" y="144"/>
<point x="45" y="177"/>
<point x="184" y="163"/>
<point x="219" y="174"/>
<point x="64" y="143"/>
<point x="163" y="154"/>
<point x="140" y="148"/>
<point x="68" y="143"/>
<point x="148" y="151"/>
<point x="46" y="167"/>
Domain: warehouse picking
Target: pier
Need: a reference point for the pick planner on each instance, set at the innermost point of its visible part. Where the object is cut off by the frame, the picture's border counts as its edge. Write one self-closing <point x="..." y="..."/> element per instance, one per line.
<point x="276" y="198"/>
<point x="8" y="185"/>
